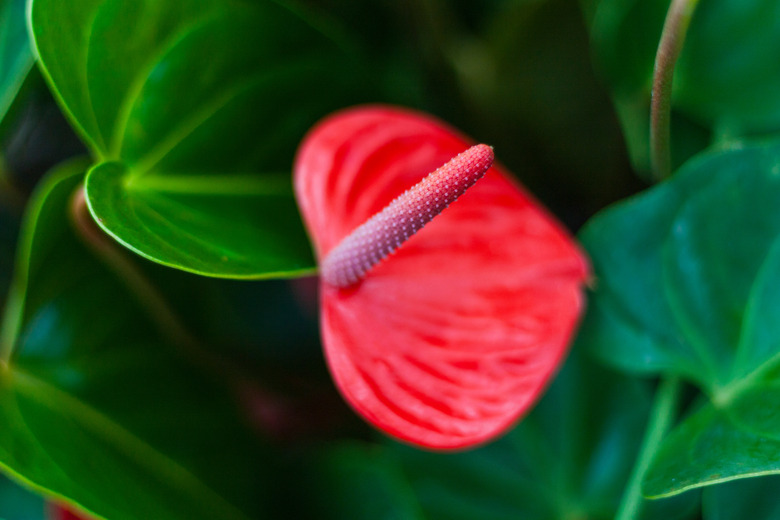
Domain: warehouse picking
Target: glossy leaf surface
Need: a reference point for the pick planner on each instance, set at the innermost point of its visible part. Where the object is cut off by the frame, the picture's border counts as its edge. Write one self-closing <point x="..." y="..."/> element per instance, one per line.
<point x="720" y="443"/>
<point x="103" y="412"/>
<point x="683" y="287"/>
<point x="447" y="342"/>
<point x="725" y="81"/>
<point x="16" y="57"/>
<point x="189" y="149"/>
<point x="241" y="220"/>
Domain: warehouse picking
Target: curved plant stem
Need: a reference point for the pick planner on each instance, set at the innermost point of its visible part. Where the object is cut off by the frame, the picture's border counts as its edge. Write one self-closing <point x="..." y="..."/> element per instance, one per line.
<point x="11" y="315"/>
<point x="264" y="409"/>
<point x="158" y="309"/>
<point x="10" y="325"/>
<point x="10" y="195"/>
<point x="124" y="267"/>
<point x="661" y="417"/>
<point x="678" y="19"/>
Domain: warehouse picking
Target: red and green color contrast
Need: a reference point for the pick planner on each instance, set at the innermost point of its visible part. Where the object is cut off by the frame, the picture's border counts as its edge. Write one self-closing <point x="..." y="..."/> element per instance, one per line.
<point x="443" y="339"/>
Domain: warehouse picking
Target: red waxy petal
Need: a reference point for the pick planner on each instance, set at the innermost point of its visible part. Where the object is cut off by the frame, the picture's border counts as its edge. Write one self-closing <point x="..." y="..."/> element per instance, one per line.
<point x="447" y="342"/>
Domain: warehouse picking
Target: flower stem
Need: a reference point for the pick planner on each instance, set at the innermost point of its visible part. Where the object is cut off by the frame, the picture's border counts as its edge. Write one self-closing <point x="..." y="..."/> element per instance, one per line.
<point x="117" y="259"/>
<point x="10" y="325"/>
<point x="264" y="410"/>
<point x="678" y="19"/>
<point x="127" y="271"/>
<point x="662" y="415"/>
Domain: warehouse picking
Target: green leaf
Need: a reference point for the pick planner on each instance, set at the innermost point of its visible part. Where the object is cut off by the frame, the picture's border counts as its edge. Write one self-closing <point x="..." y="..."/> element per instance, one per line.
<point x="718" y="444"/>
<point x="687" y="277"/>
<point x="191" y="109"/>
<point x="623" y="241"/>
<point x="725" y="82"/>
<point x="361" y="482"/>
<point x="570" y="458"/>
<point x="237" y="226"/>
<point x="527" y="70"/>
<point x="96" y="408"/>
<point x="675" y="265"/>
<point x="17" y="503"/>
<point x="16" y="57"/>
<point x="754" y="498"/>
<point x="728" y="75"/>
<point x="9" y="226"/>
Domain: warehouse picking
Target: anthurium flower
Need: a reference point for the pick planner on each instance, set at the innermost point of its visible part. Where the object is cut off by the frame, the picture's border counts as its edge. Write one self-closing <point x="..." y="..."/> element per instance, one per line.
<point x="445" y="338"/>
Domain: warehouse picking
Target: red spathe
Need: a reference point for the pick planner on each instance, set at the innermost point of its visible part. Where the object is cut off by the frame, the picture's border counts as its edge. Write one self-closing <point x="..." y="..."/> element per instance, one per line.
<point x="448" y="341"/>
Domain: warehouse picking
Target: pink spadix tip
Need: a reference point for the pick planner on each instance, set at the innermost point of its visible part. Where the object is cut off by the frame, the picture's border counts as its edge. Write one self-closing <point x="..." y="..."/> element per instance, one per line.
<point x="379" y="236"/>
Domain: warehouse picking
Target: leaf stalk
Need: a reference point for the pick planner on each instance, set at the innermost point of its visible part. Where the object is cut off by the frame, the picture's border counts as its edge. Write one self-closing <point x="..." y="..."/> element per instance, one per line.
<point x="662" y="416"/>
<point x="675" y="28"/>
<point x="250" y="395"/>
<point x="119" y="262"/>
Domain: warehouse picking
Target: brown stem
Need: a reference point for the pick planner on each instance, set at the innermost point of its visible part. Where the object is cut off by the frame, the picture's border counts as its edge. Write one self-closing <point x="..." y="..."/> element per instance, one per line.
<point x="678" y="19"/>
<point x="248" y="392"/>
<point x="119" y="262"/>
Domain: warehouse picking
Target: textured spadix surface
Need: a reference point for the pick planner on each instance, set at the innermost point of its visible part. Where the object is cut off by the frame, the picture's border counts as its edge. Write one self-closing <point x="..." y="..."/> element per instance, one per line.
<point x="447" y="342"/>
<point x="408" y="213"/>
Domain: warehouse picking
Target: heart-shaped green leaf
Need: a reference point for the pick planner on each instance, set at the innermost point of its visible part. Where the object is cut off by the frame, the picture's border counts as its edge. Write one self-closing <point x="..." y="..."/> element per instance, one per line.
<point x="16" y="57"/>
<point x="236" y="222"/>
<point x="687" y="277"/>
<point x="102" y="412"/>
<point x="725" y="81"/>
<point x="191" y="108"/>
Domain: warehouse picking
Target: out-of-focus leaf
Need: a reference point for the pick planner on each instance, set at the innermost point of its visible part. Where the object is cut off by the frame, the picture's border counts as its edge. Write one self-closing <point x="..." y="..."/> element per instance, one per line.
<point x="754" y="498"/>
<point x="96" y="408"/>
<point x="38" y="136"/>
<point x="686" y="283"/>
<point x="9" y="226"/>
<point x="728" y="76"/>
<point x="527" y="78"/>
<point x="191" y="108"/>
<point x="16" y="57"/>
<point x="725" y="81"/>
<point x="18" y="503"/>
<point x="362" y="482"/>
<point x="676" y="266"/>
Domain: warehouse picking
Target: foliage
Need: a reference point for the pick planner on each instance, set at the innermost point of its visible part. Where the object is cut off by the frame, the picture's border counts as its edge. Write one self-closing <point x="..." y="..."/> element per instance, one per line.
<point x="133" y="386"/>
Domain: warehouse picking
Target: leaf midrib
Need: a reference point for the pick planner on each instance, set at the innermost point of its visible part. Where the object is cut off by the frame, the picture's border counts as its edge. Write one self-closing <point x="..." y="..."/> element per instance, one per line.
<point x="250" y="184"/>
<point x="209" y="109"/>
<point x="133" y="93"/>
<point x="734" y="389"/>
